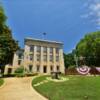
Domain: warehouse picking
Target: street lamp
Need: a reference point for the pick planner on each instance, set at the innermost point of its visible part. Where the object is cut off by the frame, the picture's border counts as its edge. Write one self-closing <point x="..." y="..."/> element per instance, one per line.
<point x="81" y="58"/>
<point x="76" y="60"/>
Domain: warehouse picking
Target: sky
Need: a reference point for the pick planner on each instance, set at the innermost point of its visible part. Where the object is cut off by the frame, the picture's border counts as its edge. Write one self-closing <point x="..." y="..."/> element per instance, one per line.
<point x="63" y="20"/>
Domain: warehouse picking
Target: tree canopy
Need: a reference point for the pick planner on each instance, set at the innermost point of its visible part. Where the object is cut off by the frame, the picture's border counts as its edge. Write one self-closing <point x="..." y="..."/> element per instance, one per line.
<point x="7" y="43"/>
<point x="2" y="16"/>
<point x="89" y="48"/>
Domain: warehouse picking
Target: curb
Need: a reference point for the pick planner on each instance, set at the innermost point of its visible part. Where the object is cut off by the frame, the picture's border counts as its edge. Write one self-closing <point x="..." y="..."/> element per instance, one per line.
<point x="3" y="84"/>
<point x="35" y="90"/>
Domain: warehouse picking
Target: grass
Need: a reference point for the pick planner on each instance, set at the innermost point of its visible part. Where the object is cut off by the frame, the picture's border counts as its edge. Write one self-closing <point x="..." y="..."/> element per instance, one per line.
<point x="1" y="81"/>
<point x="76" y="88"/>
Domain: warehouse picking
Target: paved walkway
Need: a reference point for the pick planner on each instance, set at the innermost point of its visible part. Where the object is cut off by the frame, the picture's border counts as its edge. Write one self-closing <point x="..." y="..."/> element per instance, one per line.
<point x="19" y="89"/>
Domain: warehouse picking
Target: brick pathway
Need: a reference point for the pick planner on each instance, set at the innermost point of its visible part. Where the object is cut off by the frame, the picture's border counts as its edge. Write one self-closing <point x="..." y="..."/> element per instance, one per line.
<point x="19" y="89"/>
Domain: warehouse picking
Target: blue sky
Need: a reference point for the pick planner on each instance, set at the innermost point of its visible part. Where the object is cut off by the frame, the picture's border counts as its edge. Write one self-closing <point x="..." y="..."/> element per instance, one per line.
<point x="63" y="20"/>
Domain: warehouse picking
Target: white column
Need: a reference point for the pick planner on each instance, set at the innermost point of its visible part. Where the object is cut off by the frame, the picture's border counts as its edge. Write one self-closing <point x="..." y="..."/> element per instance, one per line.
<point x="61" y="61"/>
<point x="41" y="60"/>
<point x="26" y="56"/>
<point x="15" y="60"/>
<point x="54" y="59"/>
<point x="34" y="60"/>
<point x="6" y="69"/>
<point x="48" y="60"/>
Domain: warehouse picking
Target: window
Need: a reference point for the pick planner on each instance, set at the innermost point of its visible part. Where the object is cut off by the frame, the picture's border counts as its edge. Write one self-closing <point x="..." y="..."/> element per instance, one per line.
<point x="57" y="50"/>
<point x="51" y="68"/>
<point x="45" y="49"/>
<point x="57" y="58"/>
<point x="20" y="56"/>
<point x="19" y="62"/>
<point x="38" y="49"/>
<point x="51" y="58"/>
<point x="38" y="68"/>
<point x="57" y="68"/>
<point x="45" y="58"/>
<point x="38" y="57"/>
<point x="31" y="48"/>
<point x="31" y="57"/>
<point x="51" y="50"/>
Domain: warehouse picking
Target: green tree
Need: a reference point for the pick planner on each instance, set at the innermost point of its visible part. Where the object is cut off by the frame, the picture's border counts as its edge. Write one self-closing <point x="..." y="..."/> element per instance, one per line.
<point x="69" y="60"/>
<point x="89" y="48"/>
<point x="7" y="44"/>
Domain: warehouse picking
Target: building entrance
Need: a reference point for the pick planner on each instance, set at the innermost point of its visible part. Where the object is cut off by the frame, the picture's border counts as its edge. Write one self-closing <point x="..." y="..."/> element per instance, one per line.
<point x="30" y="68"/>
<point x="45" y="69"/>
<point x="9" y="70"/>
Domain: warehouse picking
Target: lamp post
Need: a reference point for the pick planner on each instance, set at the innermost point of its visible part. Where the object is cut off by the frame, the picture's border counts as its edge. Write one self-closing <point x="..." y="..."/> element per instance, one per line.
<point x="81" y="58"/>
<point x="76" y="60"/>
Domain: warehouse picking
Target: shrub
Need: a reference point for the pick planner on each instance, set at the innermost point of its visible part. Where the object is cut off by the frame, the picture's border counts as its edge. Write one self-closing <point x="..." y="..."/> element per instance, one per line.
<point x="1" y="81"/>
<point x="20" y="74"/>
<point x="19" y="70"/>
<point x="31" y="74"/>
<point x="9" y="75"/>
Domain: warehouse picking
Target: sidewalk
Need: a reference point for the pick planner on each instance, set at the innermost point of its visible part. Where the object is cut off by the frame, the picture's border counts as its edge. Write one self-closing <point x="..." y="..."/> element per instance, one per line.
<point x="19" y="89"/>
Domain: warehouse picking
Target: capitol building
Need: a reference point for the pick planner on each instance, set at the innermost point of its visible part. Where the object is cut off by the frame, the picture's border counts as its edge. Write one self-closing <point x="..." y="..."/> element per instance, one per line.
<point x="40" y="56"/>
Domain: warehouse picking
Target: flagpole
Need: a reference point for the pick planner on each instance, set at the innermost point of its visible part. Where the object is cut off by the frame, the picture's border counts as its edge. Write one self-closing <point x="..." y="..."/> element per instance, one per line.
<point x="44" y="34"/>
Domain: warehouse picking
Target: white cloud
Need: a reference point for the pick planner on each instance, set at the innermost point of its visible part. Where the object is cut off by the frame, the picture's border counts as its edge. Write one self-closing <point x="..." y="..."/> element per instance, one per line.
<point x="98" y="21"/>
<point x="98" y="14"/>
<point x="84" y="16"/>
<point x="87" y="15"/>
<point x="95" y="7"/>
<point x="93" y="11"/>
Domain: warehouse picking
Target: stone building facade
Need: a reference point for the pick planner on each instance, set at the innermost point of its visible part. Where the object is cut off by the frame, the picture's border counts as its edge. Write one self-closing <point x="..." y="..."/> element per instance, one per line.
<point x="40" y="56"/>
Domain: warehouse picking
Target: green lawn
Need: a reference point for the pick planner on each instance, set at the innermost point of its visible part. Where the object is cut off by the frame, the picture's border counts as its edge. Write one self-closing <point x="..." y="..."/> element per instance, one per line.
<point x="1" y="81"/>
<point x="76" y="88"/>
